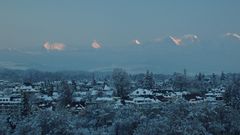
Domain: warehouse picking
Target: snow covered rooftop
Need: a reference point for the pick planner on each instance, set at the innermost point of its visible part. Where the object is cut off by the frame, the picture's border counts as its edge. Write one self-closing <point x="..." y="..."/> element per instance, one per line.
<point x="77" y="99"/>
<point x="46" y="98"/>
<point x="141" y="92"/>
<point x="104" y="99"/>
<point x="106" y="88"/>
<point x="142" y="100"/>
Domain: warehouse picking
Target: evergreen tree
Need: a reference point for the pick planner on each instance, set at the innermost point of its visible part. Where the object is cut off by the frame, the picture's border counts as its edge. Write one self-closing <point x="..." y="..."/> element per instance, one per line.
<point x="94" y="82"/>
<point x="200" y="77"/>
<point x="185" y="73"/>
<point x="223" y="76"/>
<point x="26" y="107"/>
<point x="50" y="90"/>
<point x="148" y="80"/>
<point x="179" y="82"/>
<point x="66" y="96"/>
<point x="74" y="85"/>
<point x="214" y="80"/>
<point x="232" y="95"/>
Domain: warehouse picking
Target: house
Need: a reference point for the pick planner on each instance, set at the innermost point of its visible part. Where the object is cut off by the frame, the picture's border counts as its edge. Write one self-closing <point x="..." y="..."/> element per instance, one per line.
<point x="42" y="100"/>
<point x="211" y="96"/>
<point x="143" y="100"/>
<point x="8" y="105"/>
<point x="141" y="93"/>
<point x="104" y="99"/>
<point x="166" y="90"/>
<point x="79" y="98"/>
<point x="143" y="96"/>
<point x="24" y="88"/>
<point x="107" y="91"/>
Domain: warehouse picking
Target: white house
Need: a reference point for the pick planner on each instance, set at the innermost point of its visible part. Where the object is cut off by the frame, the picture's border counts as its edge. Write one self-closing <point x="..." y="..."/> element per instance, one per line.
<point x="107" y="91"/>
<point x="24" y="89"/>
<point x="142" y="100"/>
<point x="7" y="105"/>
<point x="143" y="96"/>
<point x="141" y="93"/>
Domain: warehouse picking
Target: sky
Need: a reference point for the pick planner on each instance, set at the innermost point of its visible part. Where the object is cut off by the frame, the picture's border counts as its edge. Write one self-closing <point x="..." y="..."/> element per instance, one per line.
<point x="164" y="36"/>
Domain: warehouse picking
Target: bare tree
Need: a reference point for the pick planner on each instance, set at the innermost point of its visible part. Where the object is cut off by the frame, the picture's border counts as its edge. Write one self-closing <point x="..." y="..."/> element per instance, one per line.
<point x="121" y="82"/>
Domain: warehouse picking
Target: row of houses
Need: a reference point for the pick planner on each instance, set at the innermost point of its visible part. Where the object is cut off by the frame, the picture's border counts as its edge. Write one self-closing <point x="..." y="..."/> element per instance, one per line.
<point x="98" y="92"/>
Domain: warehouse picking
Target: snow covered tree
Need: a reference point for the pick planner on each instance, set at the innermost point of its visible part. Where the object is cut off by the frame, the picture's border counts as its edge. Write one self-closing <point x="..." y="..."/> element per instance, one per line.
<point x="50" y="90"/>
<point x="26" y="107"/>
<point x="148" y="81"/>
<point x="214" y="80"/>
<point x="232" y="95"/>
<point x="155" y="126"/>
<point x="126" y="121"/>
<point x="200" y="77"/>
<point x="179" y="82"/>
<point x="94" y="82"/>
<point x="66" y="96"/>
<point x="223" y="76"/>
<point x="46" y="122"/>
<point x="121" y="82"/>
<point x="4" y="125"/>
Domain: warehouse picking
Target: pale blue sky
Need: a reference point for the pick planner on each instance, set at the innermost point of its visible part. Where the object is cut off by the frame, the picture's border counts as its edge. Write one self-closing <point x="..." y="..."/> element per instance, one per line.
<point x="27" y="24"/>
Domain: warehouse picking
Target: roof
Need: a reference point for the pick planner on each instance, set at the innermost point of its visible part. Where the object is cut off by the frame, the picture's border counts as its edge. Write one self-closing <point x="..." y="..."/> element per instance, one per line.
<point x="46" y="98"/>
<point x="142" y="100"/>
<point x="141" y="92"/>
<point x="8" y="100"/>
<point x="106" y="88"/>
<point x="77" y="99"/>
<point x="104" y="99"/>
<point x="80" y="93"/>
<point x="56" y="95"/>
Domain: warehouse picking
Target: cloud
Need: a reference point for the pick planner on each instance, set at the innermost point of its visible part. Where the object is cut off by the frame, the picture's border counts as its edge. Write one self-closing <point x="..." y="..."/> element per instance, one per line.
<point x="191" y="37"/>
<point x="234" y="35"/>
<point x="176" y="41"/>
<point x="53" y="46"/>
<point x="136" y="42"/>
<point x="96" y="45"/>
